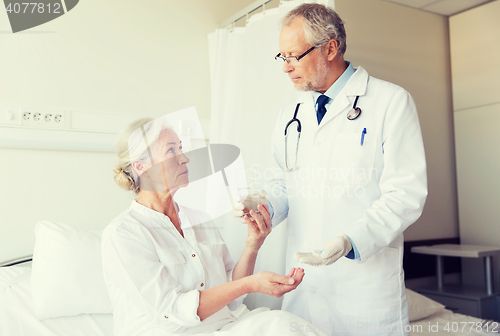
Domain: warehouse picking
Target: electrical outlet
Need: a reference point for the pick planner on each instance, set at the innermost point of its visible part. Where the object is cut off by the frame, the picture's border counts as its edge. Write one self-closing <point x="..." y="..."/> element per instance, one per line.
<point x="43" y="117"/>
<point x="31" y="118"/>
<point x="55" y="119"/>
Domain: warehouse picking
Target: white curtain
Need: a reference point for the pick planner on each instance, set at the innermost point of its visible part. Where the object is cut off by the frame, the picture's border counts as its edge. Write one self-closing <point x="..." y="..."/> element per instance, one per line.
<point x="248" y="89"/>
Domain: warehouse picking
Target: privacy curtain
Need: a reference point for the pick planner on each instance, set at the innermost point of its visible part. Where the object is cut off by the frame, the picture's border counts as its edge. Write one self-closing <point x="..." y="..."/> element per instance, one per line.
<point x="248" y="89"/>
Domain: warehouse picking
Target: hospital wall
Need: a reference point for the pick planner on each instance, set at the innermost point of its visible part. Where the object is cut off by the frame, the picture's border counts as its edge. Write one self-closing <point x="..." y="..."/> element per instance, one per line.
<point x="134" y="57"/>
<point x="475" y="46"/>
<point x="151" y="58"/>
<point x="410" y="48"/>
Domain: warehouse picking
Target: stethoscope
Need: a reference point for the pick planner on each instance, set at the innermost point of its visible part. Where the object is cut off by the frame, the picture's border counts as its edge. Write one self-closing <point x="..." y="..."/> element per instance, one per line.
<point x="351" y="115"/>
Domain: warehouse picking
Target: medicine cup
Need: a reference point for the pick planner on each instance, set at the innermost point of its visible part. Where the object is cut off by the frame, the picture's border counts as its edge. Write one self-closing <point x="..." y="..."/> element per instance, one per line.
<point x="251" y="198"/>
<point x="247" y="191"/>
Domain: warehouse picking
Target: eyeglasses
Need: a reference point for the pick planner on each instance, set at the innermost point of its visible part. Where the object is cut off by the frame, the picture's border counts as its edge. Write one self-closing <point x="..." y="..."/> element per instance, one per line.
<point x="294" y="60"/>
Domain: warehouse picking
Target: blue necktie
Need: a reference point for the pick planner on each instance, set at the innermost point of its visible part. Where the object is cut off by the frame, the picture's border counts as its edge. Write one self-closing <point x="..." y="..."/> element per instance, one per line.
<point x="320" y="112"/>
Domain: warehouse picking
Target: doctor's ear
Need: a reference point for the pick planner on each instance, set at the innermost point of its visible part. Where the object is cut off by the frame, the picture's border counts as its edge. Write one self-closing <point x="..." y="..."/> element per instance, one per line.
<point x="331" y="48"/>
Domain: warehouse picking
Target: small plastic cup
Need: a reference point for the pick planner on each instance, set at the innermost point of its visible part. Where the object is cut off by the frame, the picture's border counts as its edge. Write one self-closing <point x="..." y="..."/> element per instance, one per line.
<point x="251" y="198"/>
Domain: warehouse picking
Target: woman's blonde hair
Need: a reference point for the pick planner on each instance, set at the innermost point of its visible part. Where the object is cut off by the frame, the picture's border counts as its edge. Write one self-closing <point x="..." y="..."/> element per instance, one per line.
<point x="134" y="144"/>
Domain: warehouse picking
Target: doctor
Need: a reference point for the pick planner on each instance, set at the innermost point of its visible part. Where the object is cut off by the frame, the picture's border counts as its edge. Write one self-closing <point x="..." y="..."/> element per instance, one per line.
<point x="359" y="181"/>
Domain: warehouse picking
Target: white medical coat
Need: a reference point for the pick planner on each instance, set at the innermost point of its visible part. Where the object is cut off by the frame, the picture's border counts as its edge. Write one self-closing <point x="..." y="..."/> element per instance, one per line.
<point x="370" y="192"/>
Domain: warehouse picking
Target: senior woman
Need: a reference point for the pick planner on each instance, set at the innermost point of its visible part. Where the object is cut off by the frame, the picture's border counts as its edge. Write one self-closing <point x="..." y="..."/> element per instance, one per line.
<point x="166" y="267"/>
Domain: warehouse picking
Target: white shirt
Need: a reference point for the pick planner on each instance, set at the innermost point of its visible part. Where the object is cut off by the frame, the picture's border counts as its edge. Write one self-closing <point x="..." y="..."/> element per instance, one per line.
<point x="154" y="275"/>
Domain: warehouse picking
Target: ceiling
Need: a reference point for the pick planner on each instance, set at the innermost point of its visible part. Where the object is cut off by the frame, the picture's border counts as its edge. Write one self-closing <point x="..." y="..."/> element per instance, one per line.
<point x="441" y="7"/>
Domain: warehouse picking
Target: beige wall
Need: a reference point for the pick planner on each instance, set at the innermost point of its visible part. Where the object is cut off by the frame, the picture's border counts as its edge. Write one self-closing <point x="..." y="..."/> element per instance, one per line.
<point x="475" y="46"/>
<point x="475" y="42"/>
<point x="411" y="48"/>
<point x="151" y="58"/>
<point x="143" y="57"/>
<point x="75" y="188"/>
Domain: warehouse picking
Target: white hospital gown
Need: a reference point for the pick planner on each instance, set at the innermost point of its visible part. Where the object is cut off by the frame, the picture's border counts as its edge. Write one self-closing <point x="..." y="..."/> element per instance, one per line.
<point x="154" y="276"/>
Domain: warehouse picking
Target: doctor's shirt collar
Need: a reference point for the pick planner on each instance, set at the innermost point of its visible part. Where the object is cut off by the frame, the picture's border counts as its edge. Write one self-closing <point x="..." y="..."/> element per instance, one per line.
<point x="337" y="86"/>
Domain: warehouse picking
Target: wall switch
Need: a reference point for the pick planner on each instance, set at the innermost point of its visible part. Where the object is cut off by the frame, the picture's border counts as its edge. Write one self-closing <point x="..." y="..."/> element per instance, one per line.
<point x="10" y="115"/>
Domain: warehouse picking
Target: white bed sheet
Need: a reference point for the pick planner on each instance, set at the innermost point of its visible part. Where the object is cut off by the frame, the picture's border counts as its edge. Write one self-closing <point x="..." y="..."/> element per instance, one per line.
<point x="446" y="322"/>
<point x="17" y="317"/>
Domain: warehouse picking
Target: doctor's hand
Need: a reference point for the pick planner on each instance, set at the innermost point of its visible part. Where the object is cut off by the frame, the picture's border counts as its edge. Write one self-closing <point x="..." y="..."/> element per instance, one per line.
<point x="326" y="254"/>
<point x="274" y="284"/>
<point x="259" y="227"/>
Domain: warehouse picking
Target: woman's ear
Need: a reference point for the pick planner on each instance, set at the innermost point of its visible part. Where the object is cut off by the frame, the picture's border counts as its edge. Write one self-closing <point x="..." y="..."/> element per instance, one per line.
<point x="139" y="167"/>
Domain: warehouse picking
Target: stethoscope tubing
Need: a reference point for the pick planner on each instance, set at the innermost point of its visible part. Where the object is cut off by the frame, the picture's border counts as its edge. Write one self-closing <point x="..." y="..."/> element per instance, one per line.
<point x="299" y="130"/>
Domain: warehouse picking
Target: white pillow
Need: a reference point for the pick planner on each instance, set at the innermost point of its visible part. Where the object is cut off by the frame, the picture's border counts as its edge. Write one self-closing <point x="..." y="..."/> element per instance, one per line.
<point x="67" y="277"/>
<point x="420" y="307"/>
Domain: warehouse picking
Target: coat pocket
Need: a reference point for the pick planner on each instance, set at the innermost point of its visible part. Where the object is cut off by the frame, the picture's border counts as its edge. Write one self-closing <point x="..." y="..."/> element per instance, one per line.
<point x="351" y="161"/>
<point x="372" y="288"/>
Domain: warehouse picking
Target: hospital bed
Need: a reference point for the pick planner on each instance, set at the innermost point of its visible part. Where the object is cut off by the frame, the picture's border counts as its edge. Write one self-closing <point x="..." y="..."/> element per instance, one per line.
<point x="62" y="293"/>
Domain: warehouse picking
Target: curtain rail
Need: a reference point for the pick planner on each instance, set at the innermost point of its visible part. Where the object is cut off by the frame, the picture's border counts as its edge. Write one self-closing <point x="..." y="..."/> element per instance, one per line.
<point x="244" y="12"/>
<point x="256" y="5"/>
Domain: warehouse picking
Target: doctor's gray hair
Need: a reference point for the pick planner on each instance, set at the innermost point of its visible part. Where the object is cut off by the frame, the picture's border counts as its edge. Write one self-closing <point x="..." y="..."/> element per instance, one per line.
<point x="321" y="24"/>
<point x="136" y="143"/>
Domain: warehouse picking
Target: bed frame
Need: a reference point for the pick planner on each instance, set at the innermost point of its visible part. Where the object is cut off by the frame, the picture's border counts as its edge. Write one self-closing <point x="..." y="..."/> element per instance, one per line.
<point x="16" y="261"/>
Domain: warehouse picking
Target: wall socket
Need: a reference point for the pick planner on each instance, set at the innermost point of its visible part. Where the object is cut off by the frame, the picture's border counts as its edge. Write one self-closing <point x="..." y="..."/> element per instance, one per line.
<point x="43" y="117"/>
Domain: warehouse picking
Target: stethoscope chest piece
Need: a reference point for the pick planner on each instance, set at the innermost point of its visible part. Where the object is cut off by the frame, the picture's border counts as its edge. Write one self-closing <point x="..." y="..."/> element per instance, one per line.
<point x="354" y="113"/>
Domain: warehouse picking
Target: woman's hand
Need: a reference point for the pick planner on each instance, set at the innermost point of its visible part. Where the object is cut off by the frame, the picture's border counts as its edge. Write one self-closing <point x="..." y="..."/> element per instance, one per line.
<point x="276" y="285"/>
<point x="258" y="228"/>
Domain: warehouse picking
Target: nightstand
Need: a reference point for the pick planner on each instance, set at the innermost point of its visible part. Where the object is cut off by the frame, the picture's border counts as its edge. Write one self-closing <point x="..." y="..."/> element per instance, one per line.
<point x="463" y="299"/>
